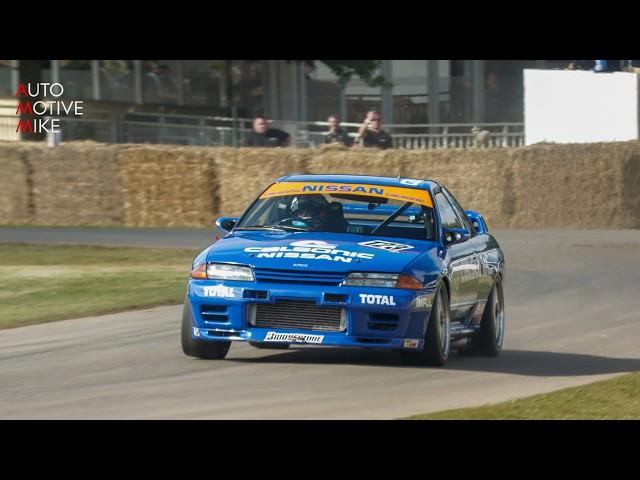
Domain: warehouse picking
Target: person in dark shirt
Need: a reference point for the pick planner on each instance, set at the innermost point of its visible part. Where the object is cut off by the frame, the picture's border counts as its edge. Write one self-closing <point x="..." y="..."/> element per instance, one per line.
<point x="263" y="136"/>
<point x="371" y="134"/>
<point x="335" y="133"/>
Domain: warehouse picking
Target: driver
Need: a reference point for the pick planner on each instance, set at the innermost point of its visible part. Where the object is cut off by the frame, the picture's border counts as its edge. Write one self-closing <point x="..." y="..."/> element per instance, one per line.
<point x="306" y="213"/>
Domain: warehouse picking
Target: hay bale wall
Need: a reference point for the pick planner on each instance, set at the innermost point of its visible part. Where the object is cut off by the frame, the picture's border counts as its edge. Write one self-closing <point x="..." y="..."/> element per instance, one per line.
<point x="168" y="186"/>
<point x="74" y="184"/>
<point x="244" y="173"/>
<point x="78" y="184"/>
<point x="16" y="184"/>
<point x="82" y="183"/>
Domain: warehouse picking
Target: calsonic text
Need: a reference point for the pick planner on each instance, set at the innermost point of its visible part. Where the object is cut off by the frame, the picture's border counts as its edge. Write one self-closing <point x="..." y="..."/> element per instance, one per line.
<point x="309" y="253"/>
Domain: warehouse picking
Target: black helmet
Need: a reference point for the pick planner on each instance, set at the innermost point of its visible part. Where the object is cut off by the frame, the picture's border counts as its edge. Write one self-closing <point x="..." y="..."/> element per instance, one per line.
<point x="307" y="203"/>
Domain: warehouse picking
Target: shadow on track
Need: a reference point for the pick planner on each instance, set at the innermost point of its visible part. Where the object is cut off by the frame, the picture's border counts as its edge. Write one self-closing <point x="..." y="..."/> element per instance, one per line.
<point x="514" y="362"/>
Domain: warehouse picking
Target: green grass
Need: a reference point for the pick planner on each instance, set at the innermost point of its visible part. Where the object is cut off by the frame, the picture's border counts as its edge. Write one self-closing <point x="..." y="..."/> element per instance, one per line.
<point x="43" y="283"/>
<point x="98" y="226"/>
<point x="614" y="399"/>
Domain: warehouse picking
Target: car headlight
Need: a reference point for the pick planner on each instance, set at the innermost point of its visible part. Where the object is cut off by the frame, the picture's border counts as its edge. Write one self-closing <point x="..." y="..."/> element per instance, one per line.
<point x="223" y="271"/>
<point x="363" y="279"/>
<point x="390" y="280"/>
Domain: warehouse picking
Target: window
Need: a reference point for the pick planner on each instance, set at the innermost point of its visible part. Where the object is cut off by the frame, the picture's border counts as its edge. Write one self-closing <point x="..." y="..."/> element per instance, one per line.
<point x="448" y="216"/>
<point x="117" y="80"/>
<point x="342" y="213"/>
<point x="409" y="91"/>
<point x="323" y="93"/>
<point x="362" y="98"/>
<point x="75" y="76"/>
<point x="204" y="81"/>
<point x="458" y="209"/>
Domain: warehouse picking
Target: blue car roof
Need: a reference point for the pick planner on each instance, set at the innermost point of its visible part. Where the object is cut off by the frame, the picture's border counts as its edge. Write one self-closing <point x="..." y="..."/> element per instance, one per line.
<point x="387" y="181"/>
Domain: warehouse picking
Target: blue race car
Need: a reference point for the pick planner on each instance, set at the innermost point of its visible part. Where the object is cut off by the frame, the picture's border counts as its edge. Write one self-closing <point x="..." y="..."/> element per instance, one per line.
<point x="350" y="261"/>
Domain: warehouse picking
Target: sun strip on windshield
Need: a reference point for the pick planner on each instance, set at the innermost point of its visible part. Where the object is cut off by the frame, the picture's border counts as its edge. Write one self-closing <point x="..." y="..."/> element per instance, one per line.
<point x="413" y="195"/>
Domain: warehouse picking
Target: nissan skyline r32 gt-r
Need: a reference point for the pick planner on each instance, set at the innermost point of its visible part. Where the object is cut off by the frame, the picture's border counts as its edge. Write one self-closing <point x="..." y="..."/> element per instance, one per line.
<point x="349" y="261"/>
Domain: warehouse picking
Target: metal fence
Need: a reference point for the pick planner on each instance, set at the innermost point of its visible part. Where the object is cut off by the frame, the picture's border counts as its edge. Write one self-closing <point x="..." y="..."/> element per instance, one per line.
<point x="424" y="136"/>
<point x="111" y="127"/>
<point x="8" y="128"/>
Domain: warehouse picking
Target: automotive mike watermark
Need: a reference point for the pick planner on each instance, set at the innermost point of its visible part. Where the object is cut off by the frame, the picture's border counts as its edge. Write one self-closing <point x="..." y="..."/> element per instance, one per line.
<point x="44" y="111"/>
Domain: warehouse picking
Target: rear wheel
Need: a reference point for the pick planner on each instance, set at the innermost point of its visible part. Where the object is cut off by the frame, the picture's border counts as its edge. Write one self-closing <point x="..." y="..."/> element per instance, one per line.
<point x="199" y="348"/>
<point x="488" y="341"/>
<point x="437" y="340"/>
<point x="270" y="346"/>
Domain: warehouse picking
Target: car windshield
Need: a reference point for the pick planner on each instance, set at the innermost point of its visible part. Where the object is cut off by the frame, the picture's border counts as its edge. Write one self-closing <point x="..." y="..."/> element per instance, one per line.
<point x="378" y="211"/>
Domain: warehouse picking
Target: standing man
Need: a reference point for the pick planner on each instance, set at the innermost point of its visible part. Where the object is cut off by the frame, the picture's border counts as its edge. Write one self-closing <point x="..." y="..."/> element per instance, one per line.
<point x="371" y="133"/>
<point x="336" y="134"/>
<point x="263" y="136"/>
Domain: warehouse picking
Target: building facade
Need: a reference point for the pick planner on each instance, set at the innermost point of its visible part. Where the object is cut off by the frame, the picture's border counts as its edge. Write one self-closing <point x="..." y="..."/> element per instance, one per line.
<point x="419" y="91"/>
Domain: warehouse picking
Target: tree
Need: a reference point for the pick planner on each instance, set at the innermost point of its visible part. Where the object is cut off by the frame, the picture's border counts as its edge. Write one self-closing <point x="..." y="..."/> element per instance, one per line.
<point x="345" y="69"/>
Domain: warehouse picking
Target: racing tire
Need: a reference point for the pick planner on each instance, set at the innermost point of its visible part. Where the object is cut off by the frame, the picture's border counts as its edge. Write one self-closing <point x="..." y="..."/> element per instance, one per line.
<point x="437" y="340"/>
<point x="267" y="346"/>
<point x="488" y="341"/>
<point x="199" y="348"/>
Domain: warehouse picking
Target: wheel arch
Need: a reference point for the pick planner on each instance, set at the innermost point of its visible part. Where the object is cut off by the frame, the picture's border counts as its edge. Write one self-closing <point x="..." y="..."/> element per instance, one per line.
<point x="445" y="281"/>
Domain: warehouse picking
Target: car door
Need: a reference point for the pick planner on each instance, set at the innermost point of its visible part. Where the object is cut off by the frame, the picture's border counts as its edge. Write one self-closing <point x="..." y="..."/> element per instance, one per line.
<point x="461" y="261"/>
<point x="483" y="246"/>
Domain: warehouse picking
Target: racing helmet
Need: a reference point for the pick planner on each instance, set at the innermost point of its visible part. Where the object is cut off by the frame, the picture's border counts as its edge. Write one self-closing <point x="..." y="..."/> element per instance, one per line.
<point x="306" y="206"/>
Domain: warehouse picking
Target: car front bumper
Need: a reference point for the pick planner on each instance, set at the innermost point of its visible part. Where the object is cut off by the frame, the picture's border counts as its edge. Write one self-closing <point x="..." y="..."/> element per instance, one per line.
<point x="367" y="317"/>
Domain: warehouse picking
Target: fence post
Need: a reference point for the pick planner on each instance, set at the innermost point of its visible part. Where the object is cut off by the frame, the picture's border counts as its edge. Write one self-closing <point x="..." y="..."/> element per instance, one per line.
<point x="203" y="137"/>
<point x="162" y="133"/>
<point x="445" y="136"/>
<point x="116" y="120"/>
<point x="234" y="114"/>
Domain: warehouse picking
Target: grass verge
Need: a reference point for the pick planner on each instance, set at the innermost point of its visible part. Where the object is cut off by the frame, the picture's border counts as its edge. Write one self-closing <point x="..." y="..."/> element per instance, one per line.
<point x="43" y="283"/>
<point x="614" y="399"/>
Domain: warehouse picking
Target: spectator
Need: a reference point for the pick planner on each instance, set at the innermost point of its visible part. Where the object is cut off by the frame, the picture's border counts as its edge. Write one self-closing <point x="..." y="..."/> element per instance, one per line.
<point x="167" y="84"/>
<point x="263" y="136"/>
<point x="108" y="84"/>
<point x="126" y="79"/>
<point x="151" y="86"/>
<point x="608" y="66"/>
<point x="336" y="134"/>
<point x="601" y="66"/>
<point x="371" y="134"/>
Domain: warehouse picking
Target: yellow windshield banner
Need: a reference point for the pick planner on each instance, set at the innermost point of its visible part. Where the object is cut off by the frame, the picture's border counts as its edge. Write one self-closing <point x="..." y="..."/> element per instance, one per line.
<point x="401" y="194"/>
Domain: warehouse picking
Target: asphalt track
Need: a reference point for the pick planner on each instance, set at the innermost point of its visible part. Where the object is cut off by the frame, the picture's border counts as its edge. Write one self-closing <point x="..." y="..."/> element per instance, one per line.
<point x="573" y="317"/>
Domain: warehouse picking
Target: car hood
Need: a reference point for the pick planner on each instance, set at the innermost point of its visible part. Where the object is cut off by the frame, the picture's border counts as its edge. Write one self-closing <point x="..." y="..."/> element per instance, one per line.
<point x="322" y="252"/>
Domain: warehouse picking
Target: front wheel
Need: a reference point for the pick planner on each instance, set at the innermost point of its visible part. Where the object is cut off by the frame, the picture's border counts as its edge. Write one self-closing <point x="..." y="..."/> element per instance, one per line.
<point x="199" y="348"/>
<point x="437" y="340"/>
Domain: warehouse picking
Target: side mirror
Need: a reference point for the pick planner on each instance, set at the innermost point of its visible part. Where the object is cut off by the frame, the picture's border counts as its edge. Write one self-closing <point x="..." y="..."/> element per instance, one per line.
<point x="455" y="235"/>
<point x="477" y="221"/>
<point x="226" y="224"/>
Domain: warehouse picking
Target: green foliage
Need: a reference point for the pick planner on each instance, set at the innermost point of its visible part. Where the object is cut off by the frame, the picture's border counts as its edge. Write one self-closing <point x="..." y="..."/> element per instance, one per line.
<point x="366" y="70"/>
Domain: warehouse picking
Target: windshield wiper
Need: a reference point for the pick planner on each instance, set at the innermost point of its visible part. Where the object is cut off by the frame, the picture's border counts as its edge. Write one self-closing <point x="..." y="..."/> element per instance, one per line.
<point x="279" y="228"/>
<point x="261" y="227"/>
<point x="295" y="229"/>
